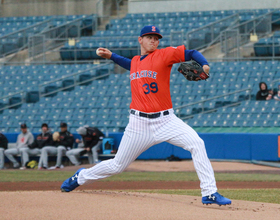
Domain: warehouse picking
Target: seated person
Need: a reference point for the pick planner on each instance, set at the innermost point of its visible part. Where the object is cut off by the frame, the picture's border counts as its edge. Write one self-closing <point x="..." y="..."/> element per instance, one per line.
<point x="92" y="140"/>
<point x="264" y="93"/>
<point x="23" y="140"/>
<point x="42" y="140"/>
<point x="3" y="146"/>
<point x="63" y="141"/>
<point x="277" y="95"/>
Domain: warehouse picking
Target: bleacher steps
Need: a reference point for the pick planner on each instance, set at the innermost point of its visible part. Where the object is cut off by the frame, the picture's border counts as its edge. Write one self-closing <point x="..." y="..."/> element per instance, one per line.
<point x="115" y="15"/>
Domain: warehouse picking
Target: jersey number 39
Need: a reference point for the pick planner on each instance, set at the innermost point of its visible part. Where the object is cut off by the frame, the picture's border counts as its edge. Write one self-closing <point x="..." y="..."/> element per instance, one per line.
<point x="150" y="88"/>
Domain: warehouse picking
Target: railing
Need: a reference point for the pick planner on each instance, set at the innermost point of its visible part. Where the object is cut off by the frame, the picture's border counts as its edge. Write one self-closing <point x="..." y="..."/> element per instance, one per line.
<point x="273" y="83"/>
<point x="22" y="94"/>
<point x="6" y="99"/>
<point x="72" y="77"/>
<point x="210" y="99"/>
<point x="21" y="36"/>
<point x="42" y="43"/>
<point x="234" y="38"/>
<point x="107" y="14"/>
<point x="212" y="36"/>
<point x="118" y="2"/>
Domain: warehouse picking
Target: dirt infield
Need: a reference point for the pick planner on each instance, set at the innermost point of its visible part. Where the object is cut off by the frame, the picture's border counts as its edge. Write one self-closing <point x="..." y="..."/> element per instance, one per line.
<point x="120" y="205"/>
<point x="96" y="201"/>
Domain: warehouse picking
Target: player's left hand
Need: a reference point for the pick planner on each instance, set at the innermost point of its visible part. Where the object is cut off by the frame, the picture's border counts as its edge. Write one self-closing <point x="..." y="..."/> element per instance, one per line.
<point x="206" y="68"/>
<point x="192" y="71"/>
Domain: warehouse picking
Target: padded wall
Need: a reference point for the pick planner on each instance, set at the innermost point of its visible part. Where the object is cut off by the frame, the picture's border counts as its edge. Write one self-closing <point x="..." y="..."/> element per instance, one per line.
<point x="218" y="145"/>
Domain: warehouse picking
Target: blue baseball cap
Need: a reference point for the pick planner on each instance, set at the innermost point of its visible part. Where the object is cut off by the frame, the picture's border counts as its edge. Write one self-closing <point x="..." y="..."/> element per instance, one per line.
<point x="150" y="29"/>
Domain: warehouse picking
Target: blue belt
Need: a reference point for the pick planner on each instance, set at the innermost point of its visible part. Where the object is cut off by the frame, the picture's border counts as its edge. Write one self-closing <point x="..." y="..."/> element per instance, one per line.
<point x="153" y="115"/>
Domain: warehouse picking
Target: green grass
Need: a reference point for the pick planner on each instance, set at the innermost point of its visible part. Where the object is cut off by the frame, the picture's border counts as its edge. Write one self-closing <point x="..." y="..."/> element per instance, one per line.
<point x="256" y="195"/>
<point x="191" y="176"/>
<point x="33" y="175"/>
<point x="36" y="175"/>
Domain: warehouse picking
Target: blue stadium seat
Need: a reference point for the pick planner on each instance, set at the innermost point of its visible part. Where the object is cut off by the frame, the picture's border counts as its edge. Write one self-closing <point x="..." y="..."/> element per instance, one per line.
<point x="261" y="47"/>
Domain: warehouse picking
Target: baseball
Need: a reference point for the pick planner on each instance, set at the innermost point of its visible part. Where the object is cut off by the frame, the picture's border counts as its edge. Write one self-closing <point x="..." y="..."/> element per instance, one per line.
<point x="98" y="52"/>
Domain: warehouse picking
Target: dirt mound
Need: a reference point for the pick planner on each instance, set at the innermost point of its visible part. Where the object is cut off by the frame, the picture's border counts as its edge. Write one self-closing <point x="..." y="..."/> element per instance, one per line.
<point x="121" y="205"/>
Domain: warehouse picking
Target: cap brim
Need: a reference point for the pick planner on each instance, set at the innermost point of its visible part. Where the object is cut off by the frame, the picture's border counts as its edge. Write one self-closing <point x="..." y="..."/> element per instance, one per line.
<point x="160" y="36"/>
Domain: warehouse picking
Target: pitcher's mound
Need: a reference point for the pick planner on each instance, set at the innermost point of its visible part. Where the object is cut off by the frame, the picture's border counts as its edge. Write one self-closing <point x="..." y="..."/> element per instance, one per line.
<point x="123" y="205"/>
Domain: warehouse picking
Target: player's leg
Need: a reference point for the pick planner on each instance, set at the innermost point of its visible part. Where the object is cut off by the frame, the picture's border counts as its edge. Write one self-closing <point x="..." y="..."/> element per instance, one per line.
<point x="188" y="139"/>
<point x="131" y="146"/>
<point x="61" y="150"/>
<point x="10" y="153"/>
<point x="73" y="155"/>
<point x="94" y="151"/>
<point x="26" y="152"/>
<point x="137" y="138"/>
<point x="45" y="152"/>
<point x="24" y="156"/>
<point x="90" y="157"/>
<point x="2" y="158"/>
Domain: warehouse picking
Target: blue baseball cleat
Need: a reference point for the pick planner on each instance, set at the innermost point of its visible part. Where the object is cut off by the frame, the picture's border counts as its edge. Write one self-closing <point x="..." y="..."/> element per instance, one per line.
<point x="71" y="183"/>
<point x="216" y="198"/>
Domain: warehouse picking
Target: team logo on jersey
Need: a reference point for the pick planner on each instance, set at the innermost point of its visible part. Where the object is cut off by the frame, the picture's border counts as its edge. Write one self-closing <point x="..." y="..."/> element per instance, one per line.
<point x="143" y="73"/>
<point x="154" y="28"/>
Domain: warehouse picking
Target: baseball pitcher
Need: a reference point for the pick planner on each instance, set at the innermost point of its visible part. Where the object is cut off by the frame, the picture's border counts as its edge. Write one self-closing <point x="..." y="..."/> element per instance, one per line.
<point x="152" y="119"/>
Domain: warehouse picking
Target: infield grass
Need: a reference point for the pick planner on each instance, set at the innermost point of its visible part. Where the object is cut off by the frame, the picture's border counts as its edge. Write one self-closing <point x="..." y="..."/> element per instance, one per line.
<point x="258" y="195"/>
<point x="255" y="195"/>
<point x="37" y="175"/>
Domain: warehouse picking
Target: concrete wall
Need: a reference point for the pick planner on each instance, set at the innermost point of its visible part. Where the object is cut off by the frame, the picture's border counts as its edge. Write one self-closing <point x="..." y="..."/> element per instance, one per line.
<point x="48" y="7"/>
<point x="150" y="6"/>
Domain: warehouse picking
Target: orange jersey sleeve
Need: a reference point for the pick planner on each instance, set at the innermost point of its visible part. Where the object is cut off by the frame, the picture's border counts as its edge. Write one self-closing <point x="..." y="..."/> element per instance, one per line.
<point x="150" y="79"/>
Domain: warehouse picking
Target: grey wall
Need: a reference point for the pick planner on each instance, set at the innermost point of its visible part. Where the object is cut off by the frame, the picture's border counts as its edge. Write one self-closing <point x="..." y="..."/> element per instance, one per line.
<point x="150" y="6"/>
<point x="47" y="7"/>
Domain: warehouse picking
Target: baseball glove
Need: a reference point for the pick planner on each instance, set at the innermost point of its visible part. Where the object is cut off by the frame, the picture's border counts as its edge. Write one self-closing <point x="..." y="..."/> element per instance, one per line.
<point x="56" y="136"/>
<point x="192" y="71"/>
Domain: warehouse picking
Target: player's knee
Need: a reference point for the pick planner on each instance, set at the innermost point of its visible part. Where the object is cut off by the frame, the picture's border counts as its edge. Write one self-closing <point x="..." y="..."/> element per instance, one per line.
<point x="117" y="167"/>
<point x="200" y="142"/>
<point x="197" y="145"/>
<point x="6" y="152"/>
<point x="68" y="153"/>
<point x="22" y="150"/>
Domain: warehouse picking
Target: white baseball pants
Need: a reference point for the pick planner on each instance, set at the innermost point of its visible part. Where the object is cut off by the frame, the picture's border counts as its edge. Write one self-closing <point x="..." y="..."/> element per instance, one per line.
<point x="142" y="133"/>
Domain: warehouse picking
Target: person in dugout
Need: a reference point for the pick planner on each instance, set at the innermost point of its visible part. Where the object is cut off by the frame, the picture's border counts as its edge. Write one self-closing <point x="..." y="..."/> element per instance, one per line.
<point x="91" y="141"/>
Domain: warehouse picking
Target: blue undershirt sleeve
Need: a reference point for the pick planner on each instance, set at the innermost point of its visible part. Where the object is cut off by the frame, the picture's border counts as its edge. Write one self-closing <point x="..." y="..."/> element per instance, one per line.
<point x="195" y="55"/>
<point x="122" y="61"/>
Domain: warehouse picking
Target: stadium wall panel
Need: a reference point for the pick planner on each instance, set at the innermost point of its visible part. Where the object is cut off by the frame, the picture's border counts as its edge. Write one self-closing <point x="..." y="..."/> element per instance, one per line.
<point x="47" y="7"/>
<point x="153" y="6"/>
<point x="225" y="146"/>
